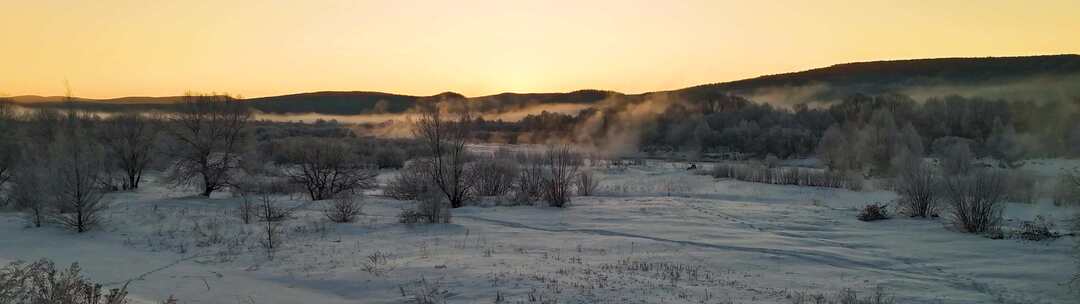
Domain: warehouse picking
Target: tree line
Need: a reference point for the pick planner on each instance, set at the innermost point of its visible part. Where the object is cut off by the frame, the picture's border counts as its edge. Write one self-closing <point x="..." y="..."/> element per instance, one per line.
<point x="1003" y="129"/>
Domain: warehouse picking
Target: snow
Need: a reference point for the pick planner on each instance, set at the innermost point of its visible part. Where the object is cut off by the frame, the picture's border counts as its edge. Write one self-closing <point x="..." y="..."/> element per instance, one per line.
<point x="655" y="234"/>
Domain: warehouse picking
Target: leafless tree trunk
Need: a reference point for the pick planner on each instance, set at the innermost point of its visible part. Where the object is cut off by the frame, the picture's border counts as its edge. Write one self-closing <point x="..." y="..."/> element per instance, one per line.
<point x="210" y="129"/>
<point x="445" y="140"/>
<point x="327" y="168"/>
<point x="271" y="215"/>
<point x="129" y="141"/>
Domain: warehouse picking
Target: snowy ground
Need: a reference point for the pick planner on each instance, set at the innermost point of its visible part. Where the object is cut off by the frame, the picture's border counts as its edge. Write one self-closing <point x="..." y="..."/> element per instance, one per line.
<point x="656" y="234"/>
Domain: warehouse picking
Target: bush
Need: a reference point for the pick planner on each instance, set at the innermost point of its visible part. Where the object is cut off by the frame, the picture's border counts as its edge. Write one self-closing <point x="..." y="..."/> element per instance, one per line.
<point x="412" y="181"/>
<point x="40" y="283"/>
<point x="1037" y="230"/>
<point x="915" y="183"/>
<point x="587" y="183"/>
<point x="562" y="167"/>
<point x="976" y="200"/>
<point x="528" y="185"/>
<point x="430" y="208"/>
<point x="874" y="212"/>
<point x="758" y="173"/>
<point x="494" y="177"/>
<point x="344" y="209"/>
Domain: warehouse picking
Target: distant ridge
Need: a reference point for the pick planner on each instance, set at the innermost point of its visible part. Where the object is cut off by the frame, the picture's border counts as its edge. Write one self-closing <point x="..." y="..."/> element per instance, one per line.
<point x="876" y="77"/>
<point x="832" y="82"/>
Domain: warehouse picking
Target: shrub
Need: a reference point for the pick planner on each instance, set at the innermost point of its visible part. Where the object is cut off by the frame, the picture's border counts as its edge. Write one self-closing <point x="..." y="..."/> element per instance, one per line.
<point x="494" y="177"/>
<point x="412" y="181"/>
<point x="344" y="209"/>
<point x="915" y="183"/>
<point x="1037" y="230"/>
<point x="587" y="183"/>
<point x="528" y="185"/>
<point x="40" y="282"/>
<point x="758" y="173"/>
<point x="976" y="200"/>
<point x="562" y="167"/>
<point x="874" y="212"/>
<point x="430" y="208"/>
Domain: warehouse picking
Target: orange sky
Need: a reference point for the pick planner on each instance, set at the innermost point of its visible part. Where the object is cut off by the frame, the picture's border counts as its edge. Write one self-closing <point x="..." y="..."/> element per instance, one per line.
<point x="111" y="48"/>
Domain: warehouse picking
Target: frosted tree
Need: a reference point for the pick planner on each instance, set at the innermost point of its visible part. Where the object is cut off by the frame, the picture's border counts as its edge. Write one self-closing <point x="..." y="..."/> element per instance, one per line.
<point x="76" y="167"/>
<point x="210" y="130"/>
<point x="445" y="141"/>
<point x="327" y="167"/>
<point x="130" y="140"/>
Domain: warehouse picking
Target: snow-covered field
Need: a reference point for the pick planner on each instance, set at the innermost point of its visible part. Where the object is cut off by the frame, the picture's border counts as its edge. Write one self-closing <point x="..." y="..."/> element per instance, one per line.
<point x="655" y="234"/>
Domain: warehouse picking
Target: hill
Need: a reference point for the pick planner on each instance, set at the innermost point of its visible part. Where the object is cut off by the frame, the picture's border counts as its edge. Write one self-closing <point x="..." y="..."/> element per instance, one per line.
<point x="1030" y="77"/>
<point x="907" y="77"/>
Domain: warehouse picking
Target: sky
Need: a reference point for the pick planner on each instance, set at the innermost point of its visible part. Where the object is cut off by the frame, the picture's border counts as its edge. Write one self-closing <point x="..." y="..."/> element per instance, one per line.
<point x="254" y="48"/>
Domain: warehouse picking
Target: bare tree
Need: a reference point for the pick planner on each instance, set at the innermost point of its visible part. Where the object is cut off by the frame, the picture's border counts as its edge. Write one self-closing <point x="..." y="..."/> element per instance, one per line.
<point x="327" y="167"/>
<point x="210" y="131"/>
<point x="976" y="200"/>
<point x="271" y="214"/>
<point x="129" y="141"/>
<point x="562" y="168"/>
<point x="76" y="165"/>
<point x="445" y="139"/>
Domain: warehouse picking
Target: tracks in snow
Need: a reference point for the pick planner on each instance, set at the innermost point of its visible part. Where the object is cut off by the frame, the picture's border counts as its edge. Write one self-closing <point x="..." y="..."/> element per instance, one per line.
<point x="998" y="293"/>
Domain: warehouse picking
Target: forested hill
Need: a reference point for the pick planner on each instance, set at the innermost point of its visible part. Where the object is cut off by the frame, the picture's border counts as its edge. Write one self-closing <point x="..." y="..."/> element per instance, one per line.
<point x="1032" y="77"/>
<point x="909" y="76"/>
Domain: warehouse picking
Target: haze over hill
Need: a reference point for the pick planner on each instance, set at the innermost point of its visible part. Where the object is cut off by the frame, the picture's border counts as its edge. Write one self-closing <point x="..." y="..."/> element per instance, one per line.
<point x="1051" y="77"/>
